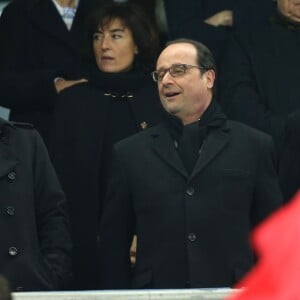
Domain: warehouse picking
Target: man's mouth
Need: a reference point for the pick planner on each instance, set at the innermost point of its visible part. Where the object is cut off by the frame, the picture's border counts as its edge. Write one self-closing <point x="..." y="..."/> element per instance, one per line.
<point x="171" y="94"/>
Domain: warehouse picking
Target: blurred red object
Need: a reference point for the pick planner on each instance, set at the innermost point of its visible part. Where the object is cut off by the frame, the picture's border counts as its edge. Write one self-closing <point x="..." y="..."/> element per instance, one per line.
<point x="276" y="276"/>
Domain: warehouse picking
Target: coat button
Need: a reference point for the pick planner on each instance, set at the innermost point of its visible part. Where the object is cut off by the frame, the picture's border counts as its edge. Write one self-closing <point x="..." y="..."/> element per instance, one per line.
<point x="11" y="175"/>
<point x="144" y="125"/>
<point x="12" y="251"/>
<point x="176" y="144"/>
<point x="10" y="210"/>
<point x="192" y="237"/>
<point x="190" y="191"/>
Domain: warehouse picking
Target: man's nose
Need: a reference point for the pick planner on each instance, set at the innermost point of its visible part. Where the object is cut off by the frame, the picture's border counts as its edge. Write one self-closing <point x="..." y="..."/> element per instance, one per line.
<point x="167" y="78"/>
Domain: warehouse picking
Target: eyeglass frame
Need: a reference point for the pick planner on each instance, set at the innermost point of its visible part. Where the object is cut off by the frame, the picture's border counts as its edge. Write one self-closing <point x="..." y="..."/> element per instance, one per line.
<point x="186" y="67"/>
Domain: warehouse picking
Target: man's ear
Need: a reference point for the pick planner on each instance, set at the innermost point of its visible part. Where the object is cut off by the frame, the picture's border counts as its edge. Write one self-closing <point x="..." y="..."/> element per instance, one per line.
<point x="210" y="78"/>
<point x="136" y="50"/>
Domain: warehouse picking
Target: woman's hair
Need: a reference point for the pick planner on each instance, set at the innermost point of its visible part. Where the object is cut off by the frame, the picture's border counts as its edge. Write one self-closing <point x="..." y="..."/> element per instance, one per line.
<point x="144" y="32"/>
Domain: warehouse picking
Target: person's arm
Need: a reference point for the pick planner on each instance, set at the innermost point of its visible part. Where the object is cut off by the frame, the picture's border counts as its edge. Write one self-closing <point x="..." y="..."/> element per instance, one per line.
<point x="116" y="231"/>
<point x="51" y="219"/>
<point x="267" y="193"/>
<point x="188" y="19"/>
<point x="289" y="164"/>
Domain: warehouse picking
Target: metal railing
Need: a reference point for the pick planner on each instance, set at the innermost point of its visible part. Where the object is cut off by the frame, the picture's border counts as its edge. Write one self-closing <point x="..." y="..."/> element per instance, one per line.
<point x="183" y="294"/>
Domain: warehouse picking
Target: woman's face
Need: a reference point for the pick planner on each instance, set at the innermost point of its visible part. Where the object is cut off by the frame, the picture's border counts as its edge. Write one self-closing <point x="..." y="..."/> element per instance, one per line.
<point x="114" y="47"/>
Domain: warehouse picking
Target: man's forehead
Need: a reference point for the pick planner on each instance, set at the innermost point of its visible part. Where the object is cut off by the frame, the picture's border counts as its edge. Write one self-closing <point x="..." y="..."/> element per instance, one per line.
<point x="177" y="53"/>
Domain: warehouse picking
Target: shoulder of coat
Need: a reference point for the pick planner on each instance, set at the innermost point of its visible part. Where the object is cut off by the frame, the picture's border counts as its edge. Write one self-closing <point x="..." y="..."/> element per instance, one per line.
<point x="22" y="125"/>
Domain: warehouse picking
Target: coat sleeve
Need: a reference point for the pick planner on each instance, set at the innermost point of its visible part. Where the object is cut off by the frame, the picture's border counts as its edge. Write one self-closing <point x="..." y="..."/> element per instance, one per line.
<point x="241" y="96"/>
<point x="289" y="166"/>
<point x="267" y="193"/>
<point x="116" y="230"/>
<point x="51" y="219"/>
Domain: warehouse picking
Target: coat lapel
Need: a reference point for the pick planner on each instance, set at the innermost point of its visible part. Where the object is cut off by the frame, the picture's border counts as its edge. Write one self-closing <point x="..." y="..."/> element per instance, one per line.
<point x="213" y="145"/>
<point x="164" y="147"/>
<point x="45" y="15"/>
<point x="83" y="10"/>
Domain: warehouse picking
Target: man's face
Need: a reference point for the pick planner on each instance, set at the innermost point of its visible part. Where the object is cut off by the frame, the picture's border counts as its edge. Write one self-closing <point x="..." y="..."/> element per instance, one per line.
<point x="290" y="9"/>
<point x="186" y="96"/>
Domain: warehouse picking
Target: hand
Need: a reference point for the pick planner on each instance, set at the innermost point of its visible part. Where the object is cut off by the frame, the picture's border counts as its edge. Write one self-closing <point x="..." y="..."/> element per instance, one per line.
<point x="61" y="83"/>
<point x="132" y="251"/>
<point x="222" y="18"/>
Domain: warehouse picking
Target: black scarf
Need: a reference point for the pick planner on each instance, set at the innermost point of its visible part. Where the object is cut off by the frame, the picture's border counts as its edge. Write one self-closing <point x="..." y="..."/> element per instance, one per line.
<point x="189" y="139"/>
<point x="118" y="83"/>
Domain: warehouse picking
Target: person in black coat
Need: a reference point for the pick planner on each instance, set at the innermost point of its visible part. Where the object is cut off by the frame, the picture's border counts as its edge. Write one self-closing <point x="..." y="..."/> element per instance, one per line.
<point x="119" y="99"/>
<point x="37" y="48"/>
<point x="289" y="163"/>
<point x="259" y="77"/>
<point x="191" y="188"/>
<point x="212" y="21"/>
<point x="35" y="244"/>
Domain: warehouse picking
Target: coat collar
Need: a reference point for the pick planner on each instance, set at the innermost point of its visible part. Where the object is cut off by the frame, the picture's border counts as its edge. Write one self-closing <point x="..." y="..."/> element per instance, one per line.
<point x="213" y="145"/>
<point x="44" y="15"/>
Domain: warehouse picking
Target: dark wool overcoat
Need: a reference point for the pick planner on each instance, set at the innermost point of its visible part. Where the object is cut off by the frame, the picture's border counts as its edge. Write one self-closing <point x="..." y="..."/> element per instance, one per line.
<point x="35" y="245"/>
<point x="192" y="230"/>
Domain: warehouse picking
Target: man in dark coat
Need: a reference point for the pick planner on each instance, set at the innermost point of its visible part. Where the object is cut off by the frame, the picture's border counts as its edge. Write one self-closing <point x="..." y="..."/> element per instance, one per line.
<point x="35" y="242"/>
<point x="37" y="48"/>
<point x="259" y="78"/>
<point x="191" y="188"/>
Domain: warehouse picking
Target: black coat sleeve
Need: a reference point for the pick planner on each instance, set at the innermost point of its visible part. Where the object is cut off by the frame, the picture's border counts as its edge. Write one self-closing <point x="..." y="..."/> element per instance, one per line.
<point x="51" y="219"/>
<point x="289" y="166"/>
<point x="267" y="193"/>
<point x="116" y="231"/>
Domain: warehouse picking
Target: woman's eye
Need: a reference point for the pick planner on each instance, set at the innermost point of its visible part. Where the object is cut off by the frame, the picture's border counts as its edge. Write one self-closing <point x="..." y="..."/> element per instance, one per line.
<point x="116" y="36"/>
<point x="97" y="37"/>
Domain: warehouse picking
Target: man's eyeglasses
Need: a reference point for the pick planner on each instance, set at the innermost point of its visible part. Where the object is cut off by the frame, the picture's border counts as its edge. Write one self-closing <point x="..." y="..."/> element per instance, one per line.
<point x="175" y="70"/>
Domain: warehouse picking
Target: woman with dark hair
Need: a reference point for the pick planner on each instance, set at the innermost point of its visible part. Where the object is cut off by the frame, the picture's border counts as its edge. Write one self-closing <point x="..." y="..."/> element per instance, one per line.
<point x="118" y="100"/>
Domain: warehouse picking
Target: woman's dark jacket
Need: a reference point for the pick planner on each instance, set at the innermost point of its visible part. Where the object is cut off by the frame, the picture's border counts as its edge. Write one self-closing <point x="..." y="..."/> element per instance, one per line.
<point x="89" y="118"/>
